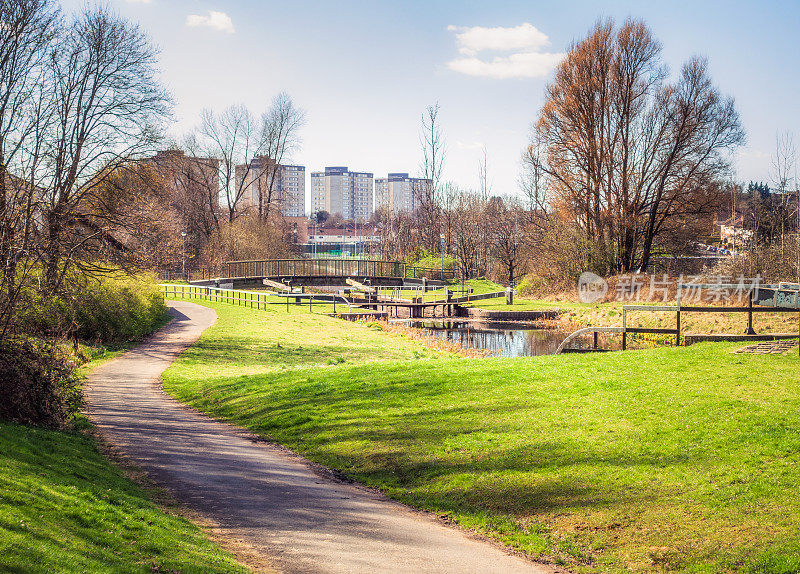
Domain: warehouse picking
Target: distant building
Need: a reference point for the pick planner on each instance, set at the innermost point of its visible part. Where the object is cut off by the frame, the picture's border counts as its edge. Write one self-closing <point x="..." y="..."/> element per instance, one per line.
<point x="288" y="189"/>
<point x="732" y="232"/>
<point x="193" y="182"/>
<point x="399" y="192"/>
<point x="337" y="242"/>
<point x="338" y="190"/>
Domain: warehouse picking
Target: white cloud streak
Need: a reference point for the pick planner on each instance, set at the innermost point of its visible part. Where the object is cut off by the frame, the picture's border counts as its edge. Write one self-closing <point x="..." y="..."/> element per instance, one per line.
<point x="520" y="46"/>
<point x="215" y="20"/>
<point x="524" y="37"/>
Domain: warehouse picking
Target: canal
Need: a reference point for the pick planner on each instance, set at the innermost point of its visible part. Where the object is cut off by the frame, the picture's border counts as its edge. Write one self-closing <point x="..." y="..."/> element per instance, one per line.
<point x="500" y="339"/>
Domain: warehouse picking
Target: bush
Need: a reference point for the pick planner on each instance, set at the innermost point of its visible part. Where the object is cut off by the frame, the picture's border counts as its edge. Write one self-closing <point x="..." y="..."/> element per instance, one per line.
<point x="531" y="284"/>
<point x="114" y="307"/>
<point x="38" y="382"/>
<point x="435" y="262"/>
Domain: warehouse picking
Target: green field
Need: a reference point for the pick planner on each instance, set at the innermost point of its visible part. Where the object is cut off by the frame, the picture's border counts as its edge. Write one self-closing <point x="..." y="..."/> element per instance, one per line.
<point x="659" y="460"/>
<point x="65" y="508"/>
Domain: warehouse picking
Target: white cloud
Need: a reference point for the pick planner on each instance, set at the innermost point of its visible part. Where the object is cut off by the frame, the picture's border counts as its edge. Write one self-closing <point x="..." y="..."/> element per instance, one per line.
<point x="521" y="47"/>
<point x="216" y="20"/>
<point x="523" y="65"/>
<point x="524" y="37"/>
<point x="138" y="1"/>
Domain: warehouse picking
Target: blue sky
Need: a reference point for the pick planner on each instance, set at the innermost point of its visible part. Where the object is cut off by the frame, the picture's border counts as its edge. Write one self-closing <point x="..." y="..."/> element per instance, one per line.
<point x="365" y="71"/>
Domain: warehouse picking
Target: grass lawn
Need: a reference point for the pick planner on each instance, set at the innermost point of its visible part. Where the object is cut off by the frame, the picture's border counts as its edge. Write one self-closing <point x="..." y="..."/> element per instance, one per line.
<point x="660" y="460"/>
<point x="65" y="508"/>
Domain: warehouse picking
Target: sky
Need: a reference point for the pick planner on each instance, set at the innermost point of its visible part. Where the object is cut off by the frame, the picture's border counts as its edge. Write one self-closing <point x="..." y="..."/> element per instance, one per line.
<point x="364" y="71"/>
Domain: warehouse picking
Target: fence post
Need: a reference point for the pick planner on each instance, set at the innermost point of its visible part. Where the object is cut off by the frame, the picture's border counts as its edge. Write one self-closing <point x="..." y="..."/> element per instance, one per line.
<point x="750" y="330"/>
<point x="624" y="329"/>
<point x="678" y="327"/>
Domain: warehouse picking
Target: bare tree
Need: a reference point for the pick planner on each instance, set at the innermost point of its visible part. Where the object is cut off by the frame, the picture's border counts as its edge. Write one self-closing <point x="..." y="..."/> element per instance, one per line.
<point x="280" y="126"/>
<point x="108" y="105"/>
<point x="250" y="151"/>
<point x="629" y="155"/>
<point x="27" y="28"/>
<point x="233" y="137"/>
<point x="433" y="156"/>
<point x="782" y="172"/>
<point x="507" y="224"/>
<point x="467" y="215"/>
<point x="483" y="175"/>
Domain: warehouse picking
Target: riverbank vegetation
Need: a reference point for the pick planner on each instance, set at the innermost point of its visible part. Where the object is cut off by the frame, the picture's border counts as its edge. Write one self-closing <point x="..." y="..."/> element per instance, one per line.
<point x="666" y="459"/>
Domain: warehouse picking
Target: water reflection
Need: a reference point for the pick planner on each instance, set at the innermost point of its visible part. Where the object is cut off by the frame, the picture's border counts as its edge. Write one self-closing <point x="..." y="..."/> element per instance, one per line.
<point x="501" y="340"/>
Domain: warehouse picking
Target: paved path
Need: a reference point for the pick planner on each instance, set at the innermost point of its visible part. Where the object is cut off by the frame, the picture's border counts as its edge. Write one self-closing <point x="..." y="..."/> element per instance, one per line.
<point x="276" y="502"/>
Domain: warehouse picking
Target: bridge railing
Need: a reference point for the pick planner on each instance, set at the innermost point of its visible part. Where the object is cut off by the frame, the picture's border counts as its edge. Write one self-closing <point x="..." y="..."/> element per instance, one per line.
<point x="314" y="268"/>
<point x="430" y="273"/>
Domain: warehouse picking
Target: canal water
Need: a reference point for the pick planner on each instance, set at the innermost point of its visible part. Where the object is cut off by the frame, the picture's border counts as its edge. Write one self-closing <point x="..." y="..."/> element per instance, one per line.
<point x="500" y="339"/>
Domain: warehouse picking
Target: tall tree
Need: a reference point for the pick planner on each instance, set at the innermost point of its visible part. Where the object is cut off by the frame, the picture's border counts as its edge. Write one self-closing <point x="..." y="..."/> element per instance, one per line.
<point x="281" y="124"/>
<point x="27" y="28"/>
<point x="235" y="137"/>
<point x="627" y="154"/>
<point x="108" y="107"/>
<point x="432" y="168"/>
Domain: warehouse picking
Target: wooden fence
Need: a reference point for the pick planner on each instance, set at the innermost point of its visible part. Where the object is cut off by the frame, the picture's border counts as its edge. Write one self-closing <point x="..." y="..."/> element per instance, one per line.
<point x="252" y="299"/>
<point x="782" y="298"/>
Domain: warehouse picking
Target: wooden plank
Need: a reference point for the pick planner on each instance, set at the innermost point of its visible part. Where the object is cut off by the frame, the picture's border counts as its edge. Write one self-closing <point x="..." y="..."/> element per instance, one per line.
<point x="360" y="286"/>
<point x="469" y="298"/>
<point x="651" y="330"/>
<point x="707" y="309"/>
<point x="672" y="308"/>
<point x="275" y="285"/>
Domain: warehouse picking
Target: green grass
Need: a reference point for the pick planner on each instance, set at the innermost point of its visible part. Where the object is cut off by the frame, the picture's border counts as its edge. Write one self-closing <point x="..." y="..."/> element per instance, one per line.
<point x="65" y="508"/>
<point x="660" y="460"/>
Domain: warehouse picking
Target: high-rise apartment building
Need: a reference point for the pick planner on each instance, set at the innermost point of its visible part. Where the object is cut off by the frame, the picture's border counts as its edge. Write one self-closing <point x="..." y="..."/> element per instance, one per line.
<point x="399" y="192"/>
<point x="338" y="190"/>
<point x="288" y="189"/>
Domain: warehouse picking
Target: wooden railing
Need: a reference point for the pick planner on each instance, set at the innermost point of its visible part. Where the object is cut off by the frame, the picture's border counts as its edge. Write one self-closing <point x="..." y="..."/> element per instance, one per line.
<point x="313" y="268"/>
<point x="252" y="299"/>
<point x="781" y="298"/>
<point x="430" y="273"/>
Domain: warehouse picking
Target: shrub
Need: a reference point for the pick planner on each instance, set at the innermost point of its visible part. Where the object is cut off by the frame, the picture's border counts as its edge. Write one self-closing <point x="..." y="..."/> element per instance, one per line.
<point x="531" y="284"/>
<point x="38" y="382"/>
<point x="113" y="307"/>
<point x="435" y="262"/>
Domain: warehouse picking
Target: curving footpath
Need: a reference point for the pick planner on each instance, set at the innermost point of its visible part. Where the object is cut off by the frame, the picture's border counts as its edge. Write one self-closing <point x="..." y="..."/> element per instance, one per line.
<point x="287" y="510"/>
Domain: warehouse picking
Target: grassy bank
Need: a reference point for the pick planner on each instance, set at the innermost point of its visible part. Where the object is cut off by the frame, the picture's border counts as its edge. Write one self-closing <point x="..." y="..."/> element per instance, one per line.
<point x="660" y="460"/>
<point x="65" y="508"/>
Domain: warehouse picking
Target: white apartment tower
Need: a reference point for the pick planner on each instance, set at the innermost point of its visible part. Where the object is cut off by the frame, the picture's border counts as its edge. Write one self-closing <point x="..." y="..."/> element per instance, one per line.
<point x="399" y="192"/>
<point x="338" y="190"/>
<point x="288" y="190"/>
